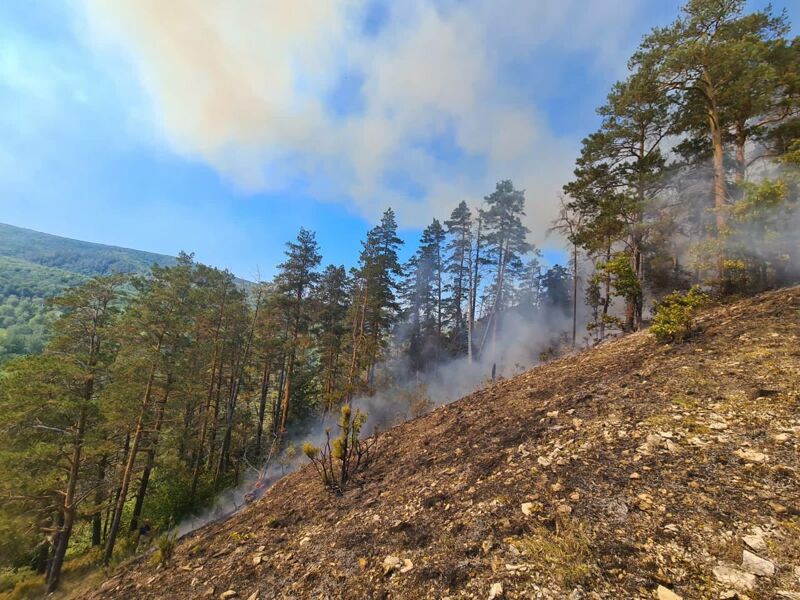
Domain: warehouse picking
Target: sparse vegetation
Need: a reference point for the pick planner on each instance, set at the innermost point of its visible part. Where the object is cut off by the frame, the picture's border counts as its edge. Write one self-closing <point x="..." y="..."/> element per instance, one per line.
<point x="165" y="547"/>
<point x="338" y="461"/>
<point x="563" y="553"/>
<point x="674" y="315"/>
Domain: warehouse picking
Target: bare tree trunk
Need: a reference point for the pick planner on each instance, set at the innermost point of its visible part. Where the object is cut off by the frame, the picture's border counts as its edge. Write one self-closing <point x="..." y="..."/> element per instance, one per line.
<point x="150" y="459"/>
<point x="127" y="473"/>
<point x="70" y="504"/>
<point x="262" y="408"/>
<point x="97" y="517"/>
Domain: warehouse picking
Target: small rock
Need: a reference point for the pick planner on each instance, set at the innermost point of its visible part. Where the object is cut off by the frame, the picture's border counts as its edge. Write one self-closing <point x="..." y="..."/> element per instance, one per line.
<point x="663" y="593"/>
<point x="755" y="542"/>
<point x="527" y="508"/>
<point x="563" y="509"/>
<point x="734" y="577"/>
<point x="228" y="594"/>
<point x="253" y="596"/>
<point x="390" y="564"/>
<point x="575" y="496"/>
<point x="789" y="595"/>
<point x="407" y="566"/>
<point x="496" y="591"/>
<point x="544" y="461"/>
<point x="718" y="426"/>
<point x="552" y="414"/>
<point x="305" y="540"/>
<point x="556" y="487"/>
<point x="362" y="563"/>
<point x="781" y="437"/>
<point x="634" y="475"/>
<point x="757" y="565"/>
<point x="257" y="560"/>
<point x="751" y="455"/>
<point x="576" y="423"/>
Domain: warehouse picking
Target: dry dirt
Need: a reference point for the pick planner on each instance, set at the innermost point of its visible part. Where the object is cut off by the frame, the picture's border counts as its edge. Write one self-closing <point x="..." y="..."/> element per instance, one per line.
<point x="605" y="474"/>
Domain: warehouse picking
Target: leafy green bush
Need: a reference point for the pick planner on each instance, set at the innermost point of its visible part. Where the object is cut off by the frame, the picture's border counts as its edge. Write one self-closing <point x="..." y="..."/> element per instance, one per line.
<point x="674" y="315"/>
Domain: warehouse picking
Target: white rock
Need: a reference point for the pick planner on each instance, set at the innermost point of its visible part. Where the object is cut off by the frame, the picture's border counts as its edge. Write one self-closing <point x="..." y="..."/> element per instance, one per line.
<point x="496" y="591"/>
<point x="757" y="565"/>
<point x="253" y="596"/>
<point x="407" y="566"/>
<point x="527" y="508"/>
<point x="756" y="542"/>
<point x="663" y="593"/>
<point x="391" y="563"/>
<point x="734" y="577"/>
<point x="228" y="594"/>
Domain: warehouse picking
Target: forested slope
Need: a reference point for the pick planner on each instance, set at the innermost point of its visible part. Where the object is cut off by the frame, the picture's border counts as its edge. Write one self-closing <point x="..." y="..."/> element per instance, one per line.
<point x="632" y="470"/>
<point x="35" y="266"/>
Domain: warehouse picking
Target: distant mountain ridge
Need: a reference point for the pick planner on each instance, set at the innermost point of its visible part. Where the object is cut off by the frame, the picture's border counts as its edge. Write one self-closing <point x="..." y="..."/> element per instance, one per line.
<point x="75" y="256"/>
<point x="35" y="266"/>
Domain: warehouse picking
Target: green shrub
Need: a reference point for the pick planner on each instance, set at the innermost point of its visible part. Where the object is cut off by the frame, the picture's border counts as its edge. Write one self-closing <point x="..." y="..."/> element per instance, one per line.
<point x="165" y="548"/>
<point x="674" y="315"/>
<point x="341" y="458"/>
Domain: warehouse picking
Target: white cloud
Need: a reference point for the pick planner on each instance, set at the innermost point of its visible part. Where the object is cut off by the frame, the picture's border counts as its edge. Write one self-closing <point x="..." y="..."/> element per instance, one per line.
<point x="242" y="85"/>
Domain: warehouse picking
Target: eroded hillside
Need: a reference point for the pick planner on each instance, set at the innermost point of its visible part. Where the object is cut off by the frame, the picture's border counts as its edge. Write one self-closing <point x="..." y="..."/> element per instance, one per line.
<point x="602" y="475"/>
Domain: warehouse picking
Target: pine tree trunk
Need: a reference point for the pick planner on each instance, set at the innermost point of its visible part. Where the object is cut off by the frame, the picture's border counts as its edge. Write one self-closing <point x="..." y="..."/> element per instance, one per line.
<point x="97" y="517"/>
<point x="127" y="474"/>
<point x="262" y="409"/>
<point x="150" y="459"/>
<point x="70" y="505"/>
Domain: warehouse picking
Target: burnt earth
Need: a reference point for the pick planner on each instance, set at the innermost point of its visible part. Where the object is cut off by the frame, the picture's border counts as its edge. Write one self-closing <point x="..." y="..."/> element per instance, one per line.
<point x="642" y="464"/>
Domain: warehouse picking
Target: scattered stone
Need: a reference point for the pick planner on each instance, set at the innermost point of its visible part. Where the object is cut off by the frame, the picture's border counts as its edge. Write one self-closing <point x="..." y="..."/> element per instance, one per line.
<point x="253" y="596"/>
<point x="305" y="540"/>
<point x="228" y="594"/>
<point x="527" y="508"/>
<point x="496" y="591"/>
<point x="362" y="563"/>
<point x="789" y="595"/>
<point x="563" y="509"/>
<point x="755" y="542"/>
<point x="552" y="414"/>
<point x="645" y="501"/>
<point x="663" y="593"/>
<point x="544" y="461"/>
<point x="556" y="487"/>
<point x="734" y="577"/>
<point x="407" y="566"/>
<point x="718" y="426"/>
<point x="391" y="564"/>
<point x="575" y="496"/>
<point x="576" y="423"/>
<point x="781" y="437"/>
<point x="257" y="559"/>
<point x="757" y="565"/>
<point x="635" y="475"/>
<point x="751" y="455"/>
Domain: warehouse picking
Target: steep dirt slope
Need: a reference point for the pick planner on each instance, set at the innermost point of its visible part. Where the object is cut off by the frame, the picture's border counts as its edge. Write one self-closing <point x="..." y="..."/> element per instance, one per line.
<point x="602" y="475"/>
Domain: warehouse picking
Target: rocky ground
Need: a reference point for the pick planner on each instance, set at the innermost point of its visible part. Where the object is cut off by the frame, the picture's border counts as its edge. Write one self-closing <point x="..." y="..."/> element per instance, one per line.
<point x="634" y="470"/>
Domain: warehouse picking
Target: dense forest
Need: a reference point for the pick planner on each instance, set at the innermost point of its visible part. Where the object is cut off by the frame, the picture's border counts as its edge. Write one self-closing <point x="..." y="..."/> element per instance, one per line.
<point x="157" y="391"/>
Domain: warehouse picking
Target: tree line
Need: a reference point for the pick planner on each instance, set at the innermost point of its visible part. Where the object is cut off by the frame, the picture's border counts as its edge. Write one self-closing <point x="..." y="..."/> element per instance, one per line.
<point x="156" y="392"/>
<point x="692" y="176"/>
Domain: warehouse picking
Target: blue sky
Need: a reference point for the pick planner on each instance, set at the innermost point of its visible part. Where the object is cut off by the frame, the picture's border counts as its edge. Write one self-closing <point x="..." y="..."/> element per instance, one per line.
<point x="221" y="128"/>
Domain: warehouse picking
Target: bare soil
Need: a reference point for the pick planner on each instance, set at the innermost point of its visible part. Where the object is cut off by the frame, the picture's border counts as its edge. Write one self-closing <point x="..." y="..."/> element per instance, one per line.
<point x="604" y="474"/>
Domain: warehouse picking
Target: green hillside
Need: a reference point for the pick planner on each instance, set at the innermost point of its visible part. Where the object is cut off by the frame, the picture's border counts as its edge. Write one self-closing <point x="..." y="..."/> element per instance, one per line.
<point x="75" y="256"/>
<point x="35" y="266"/>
